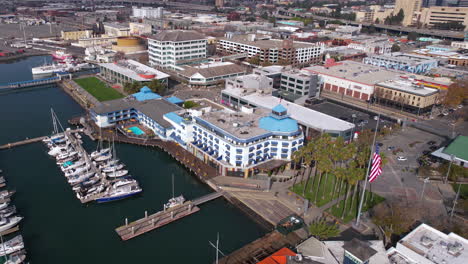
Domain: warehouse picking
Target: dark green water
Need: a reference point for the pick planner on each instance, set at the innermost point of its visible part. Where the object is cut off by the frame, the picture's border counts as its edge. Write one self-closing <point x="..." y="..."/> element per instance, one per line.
<point x="58" y="229"/>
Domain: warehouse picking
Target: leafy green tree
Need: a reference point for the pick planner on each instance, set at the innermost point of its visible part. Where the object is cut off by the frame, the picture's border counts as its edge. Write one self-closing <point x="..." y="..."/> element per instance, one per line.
<point x="413" y="36"/>
<point x="190" y="104"/>
<point x="254" y="60"/>
<point x="157" y="87"/>
<point x="321" y="229"/>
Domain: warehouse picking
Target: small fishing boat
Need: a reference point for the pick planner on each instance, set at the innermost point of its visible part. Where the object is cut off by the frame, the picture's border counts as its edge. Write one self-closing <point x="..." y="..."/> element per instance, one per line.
<point x="11" y="246"/>
<point x="7" y="223"/>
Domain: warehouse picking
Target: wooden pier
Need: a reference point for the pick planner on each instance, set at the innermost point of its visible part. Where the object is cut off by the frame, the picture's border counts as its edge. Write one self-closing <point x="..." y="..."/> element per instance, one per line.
<point x="161" y="218"/>
<point x="154" y="221"/>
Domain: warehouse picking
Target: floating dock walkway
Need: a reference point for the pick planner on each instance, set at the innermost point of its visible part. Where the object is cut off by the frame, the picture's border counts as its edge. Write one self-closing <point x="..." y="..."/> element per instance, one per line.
<point x="162" y="218"/>
<point x="30" y="140"/>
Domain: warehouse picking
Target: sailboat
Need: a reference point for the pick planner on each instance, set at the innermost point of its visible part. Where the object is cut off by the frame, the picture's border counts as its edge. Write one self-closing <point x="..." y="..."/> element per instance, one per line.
<point x="174" y="201"/>
<point x="56" y="137"/>
<point x="119" y="191"/>
<point x="114" y="171"/>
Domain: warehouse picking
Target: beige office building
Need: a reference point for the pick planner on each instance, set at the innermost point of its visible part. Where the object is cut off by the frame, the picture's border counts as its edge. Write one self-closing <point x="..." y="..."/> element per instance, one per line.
<point x="411" y="10"/>
<point x="443" y="14"/>
<point x="76" y="34"/>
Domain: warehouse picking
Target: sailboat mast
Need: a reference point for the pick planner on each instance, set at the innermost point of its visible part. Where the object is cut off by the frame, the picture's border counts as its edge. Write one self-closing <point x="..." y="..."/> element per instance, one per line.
<point x="173" y="186"/>
<point x="54" y="122"/>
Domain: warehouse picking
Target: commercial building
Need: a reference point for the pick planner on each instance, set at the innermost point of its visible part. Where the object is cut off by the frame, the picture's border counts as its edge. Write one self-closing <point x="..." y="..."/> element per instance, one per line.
<point x="373" y="13"/>
<point x="239" y="141"/>
<point x="130" y="71"/>
<point x="434" y="15"/>
<point x="456" y="151"/>
<point x="91" y="42"/>
<point x="273" y="72"/>
<point x="339" y="251"/>
<point x="170" y="47"/>
<point x="427" y="245"/>
<point x="209" y="74"/>
<point x="313" y="122"/>
<point x="411" y="10"/>
<point x="459" y="60"/>
<point x="76" y="34"/>
<point x="350" y="78"/>
<point x="129" y="45"/>
<point x="147" y="12"/>
<point x="303" y="83"/>
<point x="406" y="95"/>
<point x="139" y="29"/>
<point x="371" y="45"/>
<point x="460" y="44"/>
<point x="403" y="61"/>
<point x="271" y="50"/>
<point x="250" y="82"/>
<point x="117" y="29"/>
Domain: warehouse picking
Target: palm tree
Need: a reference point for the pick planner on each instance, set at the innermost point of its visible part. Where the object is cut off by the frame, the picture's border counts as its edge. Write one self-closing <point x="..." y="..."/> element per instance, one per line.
<point x="359" y="175"/>
<point x="298" y="158"/>
<point x="321" y="229"/>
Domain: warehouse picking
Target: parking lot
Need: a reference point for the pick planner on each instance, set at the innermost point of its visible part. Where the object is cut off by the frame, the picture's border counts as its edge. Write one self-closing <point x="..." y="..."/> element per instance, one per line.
<point x="361" y="119"/>
<point x="399" y="177"/>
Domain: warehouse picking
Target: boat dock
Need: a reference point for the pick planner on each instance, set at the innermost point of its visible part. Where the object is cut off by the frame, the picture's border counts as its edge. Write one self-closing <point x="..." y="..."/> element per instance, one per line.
<point x="162" y="218"/>
<point x="22" y="142"/>
<point x="30" y="140"/>
<point x="77" y="146"/>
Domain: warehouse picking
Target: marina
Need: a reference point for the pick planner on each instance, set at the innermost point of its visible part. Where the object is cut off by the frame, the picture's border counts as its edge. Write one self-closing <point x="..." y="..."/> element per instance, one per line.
<point x="50" y="208"/>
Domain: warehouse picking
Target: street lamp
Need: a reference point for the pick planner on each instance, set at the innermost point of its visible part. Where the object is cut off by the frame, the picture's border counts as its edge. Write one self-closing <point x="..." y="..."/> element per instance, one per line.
<point x="352" y="131"/>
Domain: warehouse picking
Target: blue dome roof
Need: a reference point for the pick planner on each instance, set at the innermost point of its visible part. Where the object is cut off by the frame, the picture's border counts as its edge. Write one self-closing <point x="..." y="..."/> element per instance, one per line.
<point x="145" y="93"/>
<point x="279" y="108"/>
<point x="285" y="125"/>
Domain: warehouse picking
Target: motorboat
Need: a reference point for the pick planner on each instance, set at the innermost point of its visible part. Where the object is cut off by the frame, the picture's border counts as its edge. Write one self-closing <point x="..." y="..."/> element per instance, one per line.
<point x="61" y="55"/>
<point x="17" y="257"/>
<point x="112" y="168"/>
<point x="117" y="173"/>
<point x="7" y="223"/>
<point x="11" y="246"/>
<point x="91" y="191"/>
<point x="174" y="201"/>
<point x="70" y="159"/>
<point x="81" y="178"/>
<point x="7" y="212"/>
<point x="3" y="205"/>
<point x="6" y="194"/>
<point x="122" y="192"/>
<point x="76" y="171"/>
<point x="123" y="182"/>
<point x="69" y="165"/>
<point x="66" y="155"/>
<point x="98" y="153"/>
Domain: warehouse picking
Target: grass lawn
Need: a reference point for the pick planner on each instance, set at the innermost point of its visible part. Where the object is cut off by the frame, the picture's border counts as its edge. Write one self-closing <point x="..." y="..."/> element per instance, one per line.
<point x="463" y="190"/>
<point x="325" y="191"/>
<point x="98" y="89"/>
<point x="350" y="214"/>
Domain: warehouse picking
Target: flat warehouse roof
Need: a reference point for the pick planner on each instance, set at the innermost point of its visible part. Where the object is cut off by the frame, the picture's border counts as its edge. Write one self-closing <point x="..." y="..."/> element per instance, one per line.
<point x="135" y="70"/>
<point x="305" y="116"/>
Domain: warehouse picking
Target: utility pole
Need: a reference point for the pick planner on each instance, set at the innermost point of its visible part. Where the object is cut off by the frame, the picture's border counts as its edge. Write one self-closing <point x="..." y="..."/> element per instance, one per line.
<point x="448" y="170"/>
<point x="426" y="180"/>
<point x="455" y="202"/>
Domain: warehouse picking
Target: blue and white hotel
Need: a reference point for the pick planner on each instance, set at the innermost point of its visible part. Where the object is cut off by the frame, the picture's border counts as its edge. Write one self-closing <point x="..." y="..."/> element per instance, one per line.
<point x="234" y="143"/>
<point x="239" y="141"/>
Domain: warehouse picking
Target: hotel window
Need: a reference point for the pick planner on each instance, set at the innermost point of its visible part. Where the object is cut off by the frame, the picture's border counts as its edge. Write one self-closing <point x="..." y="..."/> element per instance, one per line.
<point x="238" y="150"/>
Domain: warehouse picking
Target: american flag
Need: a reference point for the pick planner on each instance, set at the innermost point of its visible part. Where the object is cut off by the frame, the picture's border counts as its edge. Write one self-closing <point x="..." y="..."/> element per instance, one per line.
<point x="376" y="169"/>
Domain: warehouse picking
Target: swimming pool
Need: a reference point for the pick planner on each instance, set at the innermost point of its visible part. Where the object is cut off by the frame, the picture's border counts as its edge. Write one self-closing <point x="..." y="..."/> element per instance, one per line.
<point x="136" y="130"/>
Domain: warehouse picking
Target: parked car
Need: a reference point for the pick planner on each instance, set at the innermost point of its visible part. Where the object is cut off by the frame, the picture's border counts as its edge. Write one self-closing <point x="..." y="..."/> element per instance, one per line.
<point x="391" y="148"/>
<point x="379" y="144"/>
<point x="401" y="158"/>
<point x="433" y="148"/>
<point x="459" y="106"/>
<point x="432" y="142"/>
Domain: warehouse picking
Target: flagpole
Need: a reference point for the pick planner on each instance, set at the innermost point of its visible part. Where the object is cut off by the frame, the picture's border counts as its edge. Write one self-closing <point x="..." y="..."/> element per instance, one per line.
<point x="367" y="174"/>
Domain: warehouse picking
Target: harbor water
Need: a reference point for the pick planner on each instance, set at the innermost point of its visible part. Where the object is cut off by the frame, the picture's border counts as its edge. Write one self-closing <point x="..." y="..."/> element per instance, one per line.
<point x="58" y="229"/>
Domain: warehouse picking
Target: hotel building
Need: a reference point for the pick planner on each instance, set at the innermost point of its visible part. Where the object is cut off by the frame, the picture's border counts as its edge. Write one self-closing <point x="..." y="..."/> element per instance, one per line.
<point x="169" y="48"/>
<point x="234" y="143"/>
